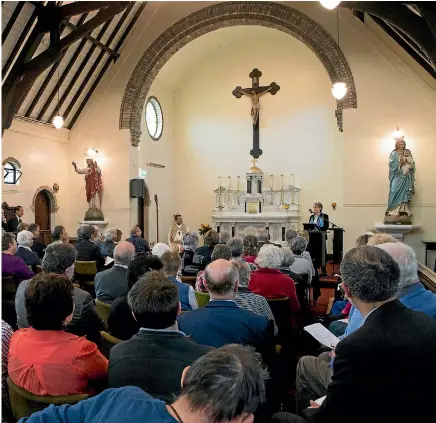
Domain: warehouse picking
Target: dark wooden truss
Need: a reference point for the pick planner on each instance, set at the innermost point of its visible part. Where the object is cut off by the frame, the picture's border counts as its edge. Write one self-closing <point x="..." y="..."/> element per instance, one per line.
<point x="60" y="55"/>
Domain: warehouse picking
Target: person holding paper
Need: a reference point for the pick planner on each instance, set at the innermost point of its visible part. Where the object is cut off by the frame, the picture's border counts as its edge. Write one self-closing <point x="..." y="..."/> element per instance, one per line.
<point x="391" y="351"/>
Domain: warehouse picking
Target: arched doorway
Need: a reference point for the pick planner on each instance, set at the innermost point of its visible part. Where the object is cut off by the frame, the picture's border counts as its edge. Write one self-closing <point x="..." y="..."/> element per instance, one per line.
<point x="42" y="215"/>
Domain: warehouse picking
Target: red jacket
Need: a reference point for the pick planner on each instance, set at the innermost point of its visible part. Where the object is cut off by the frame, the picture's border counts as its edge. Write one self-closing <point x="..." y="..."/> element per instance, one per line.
<point x="271" y="283"/>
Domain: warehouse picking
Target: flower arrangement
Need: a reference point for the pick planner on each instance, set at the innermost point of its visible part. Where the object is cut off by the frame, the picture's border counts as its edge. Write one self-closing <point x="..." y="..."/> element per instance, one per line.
<point x="204" y="228"/>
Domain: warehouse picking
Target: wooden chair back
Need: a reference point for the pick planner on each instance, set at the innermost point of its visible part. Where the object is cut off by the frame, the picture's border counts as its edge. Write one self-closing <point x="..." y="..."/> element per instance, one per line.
<point x="202" y="298"/>
<point x="281" y="309"/>
<point x="8" y="288"/>
<point x="24" y="403"/>
<point x="189" y="280"/>
<point x="103" y="309"/>
<point x="107" y="342"/>
<point x="85" y="268"/>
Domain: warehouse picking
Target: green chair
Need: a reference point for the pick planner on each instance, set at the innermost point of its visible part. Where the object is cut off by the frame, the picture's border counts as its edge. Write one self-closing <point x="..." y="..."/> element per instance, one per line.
<point x="202" y="298"/>
<point x="84" y="273"/>
<point x="107" y="342"/>
<point x="24" y="403"/>
<point x="103" y="309"/>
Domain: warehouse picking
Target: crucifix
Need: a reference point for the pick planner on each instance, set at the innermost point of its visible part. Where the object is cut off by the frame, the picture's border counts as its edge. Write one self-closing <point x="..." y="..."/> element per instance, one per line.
<point x="255" y="92"/>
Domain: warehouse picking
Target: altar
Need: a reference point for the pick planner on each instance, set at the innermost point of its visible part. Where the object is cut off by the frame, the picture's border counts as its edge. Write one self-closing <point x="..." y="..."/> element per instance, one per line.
<point x="274" y="205"/>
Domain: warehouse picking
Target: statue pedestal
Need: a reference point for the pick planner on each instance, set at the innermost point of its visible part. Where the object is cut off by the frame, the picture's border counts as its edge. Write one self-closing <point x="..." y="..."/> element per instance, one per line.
<point x="397" y="231"/>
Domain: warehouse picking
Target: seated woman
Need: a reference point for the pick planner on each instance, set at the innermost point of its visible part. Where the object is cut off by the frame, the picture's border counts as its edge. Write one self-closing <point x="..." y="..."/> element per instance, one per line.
<point x="301" y="266"/>
<point x="13" y="265"/>
<point x="121" y="323"/>
<point x="221" y="251"/>
<point x="251" y="248"/>
<point x="59" y="235"/>
<point x="190" y="244"/>
<point x="44" y="359"/>
<point x="25" y="242"/>
<point x="268" y="281"/>
<point x="108" y="245"/>
<point x="203" y="255"/>
<point x="288" y="260"/>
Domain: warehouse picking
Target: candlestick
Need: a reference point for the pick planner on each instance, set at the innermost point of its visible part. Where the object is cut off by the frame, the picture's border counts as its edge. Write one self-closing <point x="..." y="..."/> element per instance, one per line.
<point x="228" y="184"/>
<point x="238" y="178"/>
<point x="271" y="182"/>
<point x="219" y="190"/>
<point x="281" y="182"/>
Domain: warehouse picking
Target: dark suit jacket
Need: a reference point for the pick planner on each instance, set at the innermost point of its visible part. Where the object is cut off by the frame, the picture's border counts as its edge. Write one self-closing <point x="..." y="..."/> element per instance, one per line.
<point x="29" y="257"/>
<point x="120" y="322"/>
<point x="154" y="361"/>
<point x="111" y="284"/>
<point x="85" y="321"/>
<point x="39" y="247"/>
<point x="224" y="322"/>
<point x="88" y="251"/>
<point x="13" y="223"/>
<point x="205" y="253"/>
<point x="385" y="371"/>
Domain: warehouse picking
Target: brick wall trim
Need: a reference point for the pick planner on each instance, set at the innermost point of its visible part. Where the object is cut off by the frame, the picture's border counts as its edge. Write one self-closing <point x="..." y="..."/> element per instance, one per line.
<point x="228" y="14"/>
<point x="54" y="206"/>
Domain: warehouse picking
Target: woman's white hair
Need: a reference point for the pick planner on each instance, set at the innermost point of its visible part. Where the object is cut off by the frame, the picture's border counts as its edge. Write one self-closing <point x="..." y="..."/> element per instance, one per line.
<point x="270" y="257"/>
<point x="25" y="238"/>
<point x="110" y="234"/>
<point x="160" y="249"/>
<point x="288" y="257"/>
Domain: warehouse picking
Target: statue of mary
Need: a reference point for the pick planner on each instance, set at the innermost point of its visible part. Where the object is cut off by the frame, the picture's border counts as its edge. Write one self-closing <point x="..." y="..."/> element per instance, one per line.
<point x="402" y="183"/>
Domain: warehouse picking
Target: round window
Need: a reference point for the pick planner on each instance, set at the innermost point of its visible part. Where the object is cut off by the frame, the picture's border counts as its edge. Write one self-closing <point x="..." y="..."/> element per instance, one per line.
<point x="154" y="118"/>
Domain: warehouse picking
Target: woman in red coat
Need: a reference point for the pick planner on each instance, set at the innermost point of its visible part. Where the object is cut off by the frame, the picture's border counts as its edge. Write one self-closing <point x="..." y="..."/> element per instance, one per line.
<point x="268" y="281"/>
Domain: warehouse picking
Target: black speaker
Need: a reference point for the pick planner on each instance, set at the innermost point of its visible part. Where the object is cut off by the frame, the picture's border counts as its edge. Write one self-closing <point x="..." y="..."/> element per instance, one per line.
<point x="137" y="188"/>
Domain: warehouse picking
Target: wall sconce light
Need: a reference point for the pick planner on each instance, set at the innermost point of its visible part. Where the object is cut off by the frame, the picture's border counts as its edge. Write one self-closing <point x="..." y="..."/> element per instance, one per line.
<point x="91" y="152"/>
<point x="398" y="134"/>
<point x="330" y="4"/>
<point x="334" y="206"/>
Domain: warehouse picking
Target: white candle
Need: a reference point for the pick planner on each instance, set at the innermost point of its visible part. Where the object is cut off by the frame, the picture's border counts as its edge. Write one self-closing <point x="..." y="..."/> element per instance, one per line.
<point x="281" y="182"/>
<point x="292" y="180"/>
<point x="229" y="183"/>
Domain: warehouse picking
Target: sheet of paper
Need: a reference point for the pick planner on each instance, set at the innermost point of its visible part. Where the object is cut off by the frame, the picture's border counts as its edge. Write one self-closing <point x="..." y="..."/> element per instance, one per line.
<point x="319" y="401"/>
<point x="344" y="320"/>
<point x="322" y="335"/>
<point x="108" y="260"/>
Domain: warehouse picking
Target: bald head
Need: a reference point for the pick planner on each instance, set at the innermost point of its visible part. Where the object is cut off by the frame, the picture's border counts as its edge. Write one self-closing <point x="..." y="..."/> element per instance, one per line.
<point x="221" y="279"/>
<point x="124" y="253"/>
<point x="405" y="257"/>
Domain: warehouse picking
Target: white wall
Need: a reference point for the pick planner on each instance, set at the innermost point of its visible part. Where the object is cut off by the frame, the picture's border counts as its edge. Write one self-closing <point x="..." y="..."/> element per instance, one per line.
<point x="42" y="153"/>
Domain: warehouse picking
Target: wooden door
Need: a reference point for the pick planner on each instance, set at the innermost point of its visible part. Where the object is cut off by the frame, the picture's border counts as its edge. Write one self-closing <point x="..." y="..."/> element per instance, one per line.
<point x="42" y="215"/>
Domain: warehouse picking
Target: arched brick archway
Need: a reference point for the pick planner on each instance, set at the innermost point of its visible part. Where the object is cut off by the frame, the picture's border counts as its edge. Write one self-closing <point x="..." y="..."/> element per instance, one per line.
<point x="226" y="14"/>
<point x="54" y="207"/>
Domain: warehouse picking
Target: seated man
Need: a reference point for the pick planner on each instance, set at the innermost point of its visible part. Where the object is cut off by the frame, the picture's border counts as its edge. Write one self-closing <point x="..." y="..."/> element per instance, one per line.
<point x="60" y="259"/>
<point x="25" y="242"/>
<point x="86" y="249"/>
<point x="203" y="255"/>
<point x="112" y="283"/>
<point x="154" y="359"/>
<point x="14" y="221"/>
<point x="13" y="265"/>
<point x="246" y="299"/>
<point x="141" y="245"/>
<point x="38" y="246"/>
<point x="225" y="385"/>
<point x="220" y="251"/>
<point x="392" y="349"/>
<point x="222" y="321"/>
<point x="172" y="264"/>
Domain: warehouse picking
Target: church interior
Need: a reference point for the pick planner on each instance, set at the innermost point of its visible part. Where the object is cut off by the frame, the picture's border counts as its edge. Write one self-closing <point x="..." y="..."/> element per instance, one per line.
<point x="236" y="115"/>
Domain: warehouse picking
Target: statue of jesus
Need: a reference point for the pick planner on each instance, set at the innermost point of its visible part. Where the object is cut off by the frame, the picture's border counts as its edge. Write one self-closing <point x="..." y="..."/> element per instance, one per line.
<point x="255" y="104"/>
<point x="93" y="182"/>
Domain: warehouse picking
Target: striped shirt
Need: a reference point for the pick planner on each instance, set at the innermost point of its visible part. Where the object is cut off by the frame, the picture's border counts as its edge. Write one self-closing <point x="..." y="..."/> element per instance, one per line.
<point x="255" y="303"/>
<point x="6" y="339"/>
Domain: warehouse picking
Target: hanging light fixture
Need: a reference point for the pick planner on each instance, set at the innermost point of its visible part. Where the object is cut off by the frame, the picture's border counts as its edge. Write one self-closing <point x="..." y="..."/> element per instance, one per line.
<point x="339" y="88"/>
<point x="329" y="4"/>
<point x="58" y="120"/>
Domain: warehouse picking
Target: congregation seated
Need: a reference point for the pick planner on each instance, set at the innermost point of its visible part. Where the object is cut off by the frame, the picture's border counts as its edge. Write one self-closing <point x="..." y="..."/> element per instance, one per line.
<point x="154" y="358"/>
<point x="268" y="281"/>
<point x="190" y="244"/>
<point x="251" y="248"/>
<point x="112" y="283"/>
<point x="248" y="300"/>
<point x="108" y="245"/>
<point x="171" y="266"/>
<point x="388" y="360"/>
<point x="22" y="226"/>
<point x="7" y="332"/>
<point x="97" y="237"/>
<point x="236" y="246"/>
<point x="225" y="385"/>
<point x="16" y="219"/>
<point x="381" y="238"/>
<point x="160" y="249"/>
<point x="223" y="237"/>
<point x="289" y="236"/>
<point x="13" y="265"/>
<point x="204" y="253"/>
<point x="301" y="265"/>
<point x="44" y="359"/>
<point x="121" y="323"/>
<point x="59" y="235"/>
<point x="140" y="244"/>
<point x="220" y="251"/>
<point x="4" y="222"/>
<point x="363" y="239"/>
<point x="60" y="259"/>
<point x="288" y="260"/>
<point x="38" y="246"/>
<point x="222" y="321"/>
<point x="25" y="242"/>
<point x="86" y="249"/>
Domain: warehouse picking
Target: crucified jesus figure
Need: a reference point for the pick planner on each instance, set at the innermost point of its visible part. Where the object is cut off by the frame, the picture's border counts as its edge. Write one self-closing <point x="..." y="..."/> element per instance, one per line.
<point x="255" y="103"/>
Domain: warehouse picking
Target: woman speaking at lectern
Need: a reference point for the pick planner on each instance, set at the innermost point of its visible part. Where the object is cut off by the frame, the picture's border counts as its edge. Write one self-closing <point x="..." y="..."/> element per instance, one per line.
<point x="320" y="219"/>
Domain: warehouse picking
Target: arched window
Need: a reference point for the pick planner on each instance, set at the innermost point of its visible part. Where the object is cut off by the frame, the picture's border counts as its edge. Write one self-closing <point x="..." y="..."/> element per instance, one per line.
<point x="154" y="118"/>
<point x="11" y="172"/>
